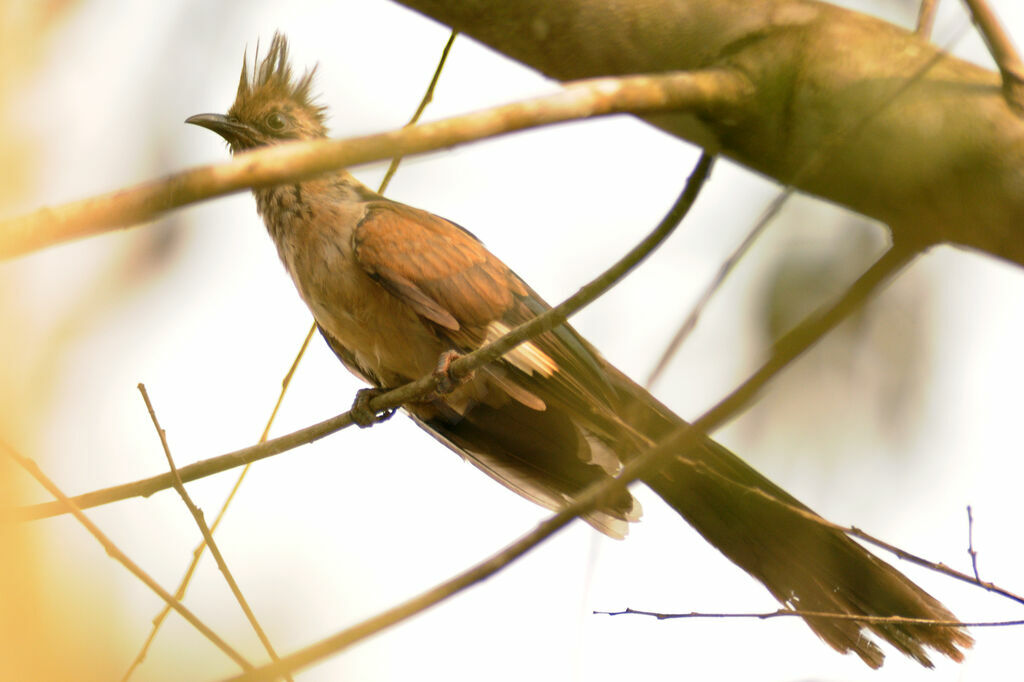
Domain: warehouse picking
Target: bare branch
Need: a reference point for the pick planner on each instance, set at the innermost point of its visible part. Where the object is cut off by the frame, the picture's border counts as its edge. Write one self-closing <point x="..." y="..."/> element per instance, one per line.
<point x="1003" y="52"/>
<point x="197" y="553"/>
<point x="428" y="97"/>
<point x="690" y="323"/>
<point x="783" y="613"/>
<point x="200" y="520"/>
<point x="122" y="558"/>
<point x="926" y="18"/>
<point x="931" y="565"/>
<point x="719" y="92"/>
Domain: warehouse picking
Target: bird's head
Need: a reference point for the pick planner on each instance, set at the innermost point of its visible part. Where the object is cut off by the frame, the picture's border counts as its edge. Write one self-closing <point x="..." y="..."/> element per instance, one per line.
<point x="270" y="107"/>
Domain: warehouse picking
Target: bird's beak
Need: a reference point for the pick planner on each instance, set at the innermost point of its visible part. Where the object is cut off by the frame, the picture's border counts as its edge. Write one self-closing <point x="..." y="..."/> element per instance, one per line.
<point x="237" y="134"/>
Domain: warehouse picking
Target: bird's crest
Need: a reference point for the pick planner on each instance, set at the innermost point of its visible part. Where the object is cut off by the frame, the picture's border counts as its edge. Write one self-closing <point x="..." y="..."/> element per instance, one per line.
<point x="271" y="80"/>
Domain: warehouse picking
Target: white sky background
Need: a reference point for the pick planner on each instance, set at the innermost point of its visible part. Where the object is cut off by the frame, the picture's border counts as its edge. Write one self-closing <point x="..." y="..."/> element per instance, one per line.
<point x="326" y="535"/>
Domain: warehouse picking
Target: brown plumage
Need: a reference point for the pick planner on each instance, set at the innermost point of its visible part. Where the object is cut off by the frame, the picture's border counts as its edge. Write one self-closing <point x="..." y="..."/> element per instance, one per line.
<point x="393" y="288"/>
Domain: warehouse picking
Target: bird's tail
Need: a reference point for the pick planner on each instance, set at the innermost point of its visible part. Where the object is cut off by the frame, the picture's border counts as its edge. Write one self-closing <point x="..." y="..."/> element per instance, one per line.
<point x="808" y="564"/>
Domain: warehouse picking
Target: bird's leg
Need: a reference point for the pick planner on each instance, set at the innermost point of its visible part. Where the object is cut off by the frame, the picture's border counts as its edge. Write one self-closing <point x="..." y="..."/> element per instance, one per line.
<point x="446" y="381"/>
<point x="361" y="413"/>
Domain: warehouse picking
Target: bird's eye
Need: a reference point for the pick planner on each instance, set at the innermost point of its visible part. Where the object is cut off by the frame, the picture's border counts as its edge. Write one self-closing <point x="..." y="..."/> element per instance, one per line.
<point x="276" y="121"/>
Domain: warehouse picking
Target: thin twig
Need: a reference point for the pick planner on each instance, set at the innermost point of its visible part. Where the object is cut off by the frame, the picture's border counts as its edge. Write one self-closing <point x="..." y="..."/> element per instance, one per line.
<point x="805" y="170"/>
<point x="1000" y="46"/>
<point x="786" y="350"/>
<point x="115" y="553"/>
<point x="197" y="553"/>
<point x="926" y="18"/>
<point x="784" y="613"/>
<point x="931" y="565"/>
<point x="690" y="323"/>
<point x="853" y="531"/>
<point x="428" y="97"/>
<point x="970" y="543"/>
<point x="720" y="90"/>
<point x="200" y="520"/>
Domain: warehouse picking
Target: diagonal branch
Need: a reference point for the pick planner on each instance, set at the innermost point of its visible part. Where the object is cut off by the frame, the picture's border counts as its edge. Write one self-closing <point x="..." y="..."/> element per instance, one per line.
<point x="1003" y="52"/>
<point x="115" y="553"/>
<point x="428" y="97"/>
<point x="926" y="18"/>
<point x="197" y="553"/>
<point x="204" y="529"/>
<point x="717" y="92"/>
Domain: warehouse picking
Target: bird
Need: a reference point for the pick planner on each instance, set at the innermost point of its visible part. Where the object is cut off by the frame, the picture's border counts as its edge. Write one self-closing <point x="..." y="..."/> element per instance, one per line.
<point x="397" y="291"/>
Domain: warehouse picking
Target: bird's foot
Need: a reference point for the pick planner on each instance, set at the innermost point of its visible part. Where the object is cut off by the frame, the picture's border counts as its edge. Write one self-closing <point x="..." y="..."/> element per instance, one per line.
<point x="447" y="381"/>
<point x="361" y="412"/>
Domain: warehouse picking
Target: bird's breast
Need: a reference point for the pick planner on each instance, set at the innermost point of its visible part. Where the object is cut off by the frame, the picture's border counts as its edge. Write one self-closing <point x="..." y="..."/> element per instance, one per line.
<point x="387" y="338"/>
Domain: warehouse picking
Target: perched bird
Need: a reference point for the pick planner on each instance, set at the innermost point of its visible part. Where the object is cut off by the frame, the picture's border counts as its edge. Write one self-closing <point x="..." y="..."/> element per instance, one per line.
<point x="394" y="289"/>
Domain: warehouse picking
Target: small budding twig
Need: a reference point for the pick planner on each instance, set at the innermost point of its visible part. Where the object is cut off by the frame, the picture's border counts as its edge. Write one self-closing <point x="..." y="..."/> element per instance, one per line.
<point x="970" y="543"/>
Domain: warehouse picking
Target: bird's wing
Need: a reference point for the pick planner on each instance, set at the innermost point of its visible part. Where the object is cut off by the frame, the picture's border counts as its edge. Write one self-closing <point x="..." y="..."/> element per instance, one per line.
<point x="547" y="443"/>
<point x="452" y="281"/>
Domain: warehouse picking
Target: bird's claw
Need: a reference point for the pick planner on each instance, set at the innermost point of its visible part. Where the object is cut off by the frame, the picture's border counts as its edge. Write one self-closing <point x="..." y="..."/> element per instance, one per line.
<point x="446" y="380"/>
<point x="362" y="414"/>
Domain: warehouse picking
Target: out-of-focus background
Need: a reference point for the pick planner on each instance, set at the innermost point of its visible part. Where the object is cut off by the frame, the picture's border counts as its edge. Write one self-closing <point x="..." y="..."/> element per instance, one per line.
<point x="898" y="421"/>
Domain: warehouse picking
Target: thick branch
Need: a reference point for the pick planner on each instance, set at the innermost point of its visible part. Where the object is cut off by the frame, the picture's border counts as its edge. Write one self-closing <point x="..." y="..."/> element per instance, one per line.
<point x="939" y="160"/>
<point x="703" y="91"/>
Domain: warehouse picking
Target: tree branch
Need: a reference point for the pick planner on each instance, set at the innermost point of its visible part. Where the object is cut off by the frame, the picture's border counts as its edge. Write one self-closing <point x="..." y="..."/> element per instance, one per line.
<point x="704" y="92"/>
<point x="1003" y="52"/>
<point x="122" y="558"/>
<point x="942" y="164"/>
<point x="204" y="530"/>
<point x="782" y="613"/>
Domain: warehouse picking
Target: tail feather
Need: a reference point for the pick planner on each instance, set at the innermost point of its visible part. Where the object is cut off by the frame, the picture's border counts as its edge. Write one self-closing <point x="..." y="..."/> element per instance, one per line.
<point x="805" y="563"/>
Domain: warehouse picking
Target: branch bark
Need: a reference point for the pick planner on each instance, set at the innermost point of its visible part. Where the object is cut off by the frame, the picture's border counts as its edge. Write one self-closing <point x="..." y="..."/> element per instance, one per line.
<point x="919" y="140"/>
<point x="709" y="92"/>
